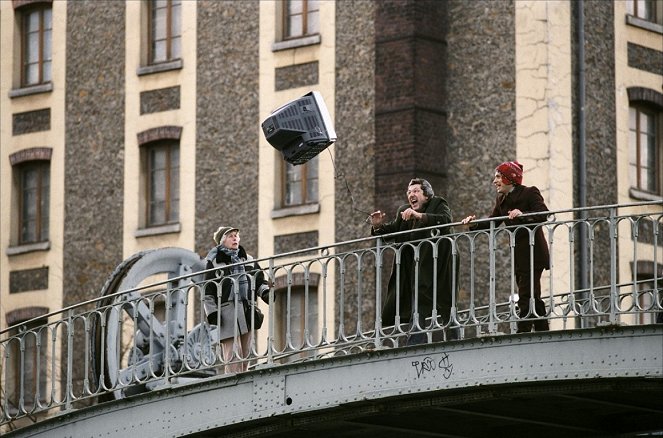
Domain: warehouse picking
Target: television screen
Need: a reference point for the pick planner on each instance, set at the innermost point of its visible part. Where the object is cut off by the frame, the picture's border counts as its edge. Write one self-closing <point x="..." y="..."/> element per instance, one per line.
<point x="300" y="129"/>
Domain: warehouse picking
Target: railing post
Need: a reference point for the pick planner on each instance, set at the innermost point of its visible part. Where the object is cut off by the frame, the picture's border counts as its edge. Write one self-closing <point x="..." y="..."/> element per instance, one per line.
<point x="270" y="326"/>
<point x="378" y="292"/>
<point x="492" y="309"/>
<point x="657" y="287"/>
<point x="575" y="312"/>
<point x="613" y="265"/>
<point x="21" y="392"/>
<point x="70" y="361"/>
<point x="167" y="352"/>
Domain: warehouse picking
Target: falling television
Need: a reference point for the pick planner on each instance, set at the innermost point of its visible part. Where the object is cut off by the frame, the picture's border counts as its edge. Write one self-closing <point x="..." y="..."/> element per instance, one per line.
<point x="300" y="129"/>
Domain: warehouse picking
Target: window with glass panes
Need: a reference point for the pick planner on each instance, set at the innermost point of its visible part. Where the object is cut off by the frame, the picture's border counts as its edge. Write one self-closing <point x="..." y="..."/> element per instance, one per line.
<point x="165" y="30"/>
<point x="644" y="150"/>
<point x="649" y="10"/>
<point x="301" y="18"/>
<point x="36" y="37"/>
<point x="33" y="198"/>
<point x="300" y="183"/>
<point x="162" y="174"/>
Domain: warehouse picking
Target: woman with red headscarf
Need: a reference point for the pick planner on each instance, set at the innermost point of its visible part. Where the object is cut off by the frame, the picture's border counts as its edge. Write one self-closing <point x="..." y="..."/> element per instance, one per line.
<point x="513" y="200"/>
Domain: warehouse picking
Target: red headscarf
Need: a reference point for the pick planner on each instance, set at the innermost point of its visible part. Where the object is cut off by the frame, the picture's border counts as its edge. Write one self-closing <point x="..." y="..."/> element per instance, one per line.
<point x="511" y="171"/>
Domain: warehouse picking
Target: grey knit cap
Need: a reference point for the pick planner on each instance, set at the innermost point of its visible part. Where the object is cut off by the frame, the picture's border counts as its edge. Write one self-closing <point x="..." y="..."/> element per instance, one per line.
<point x="221" y="233"/>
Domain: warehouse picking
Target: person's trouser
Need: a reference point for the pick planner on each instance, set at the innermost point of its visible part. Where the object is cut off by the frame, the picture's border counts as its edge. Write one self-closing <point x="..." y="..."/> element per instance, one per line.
<point x="524" y="294"/>
<point x="436" y="335"/>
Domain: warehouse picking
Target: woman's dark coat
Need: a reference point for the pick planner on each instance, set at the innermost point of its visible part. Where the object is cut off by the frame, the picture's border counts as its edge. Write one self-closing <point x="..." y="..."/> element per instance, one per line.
<point x="436" y="212"/>
<point x="527" y="200"/>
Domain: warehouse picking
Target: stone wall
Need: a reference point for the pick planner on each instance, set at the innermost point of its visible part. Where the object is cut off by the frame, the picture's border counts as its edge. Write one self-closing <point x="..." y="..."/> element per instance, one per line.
<point x="162" y="99"/>
<point x="94" y="143"/>
<point x="227" y="124"/>
<point x="355" y="158"/>
<point x="480" y="101"/>
<point x="31" y="121"/>
<point x="355" y="106"/>
<point x="600" y="123"/>
<point x="644" y="58"/>
<point x="94" y="160"/>
<point x="481" y="110"/>
<point x="28" y="280"/>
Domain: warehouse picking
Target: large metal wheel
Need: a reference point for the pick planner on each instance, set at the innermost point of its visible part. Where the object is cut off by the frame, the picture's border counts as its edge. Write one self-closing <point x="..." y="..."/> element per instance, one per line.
<point x="141" y="337"/>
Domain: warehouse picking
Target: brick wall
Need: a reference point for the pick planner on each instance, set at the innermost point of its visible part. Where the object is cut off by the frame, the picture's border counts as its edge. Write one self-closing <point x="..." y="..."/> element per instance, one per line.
<point x="409" y="95"/>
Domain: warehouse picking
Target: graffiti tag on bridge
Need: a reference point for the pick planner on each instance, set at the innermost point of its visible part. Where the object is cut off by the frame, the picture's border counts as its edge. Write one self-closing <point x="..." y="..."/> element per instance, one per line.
<point x="428" y="365"/>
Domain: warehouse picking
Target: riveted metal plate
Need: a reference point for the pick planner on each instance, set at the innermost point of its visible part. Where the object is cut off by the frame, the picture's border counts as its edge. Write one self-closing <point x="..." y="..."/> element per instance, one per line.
<point x="318" y="386"/>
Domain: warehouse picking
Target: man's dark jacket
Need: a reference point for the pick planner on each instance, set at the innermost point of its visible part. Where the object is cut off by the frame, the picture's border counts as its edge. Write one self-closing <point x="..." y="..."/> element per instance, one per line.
<point x="527" y="200"/>
<point x="436" y="212"/>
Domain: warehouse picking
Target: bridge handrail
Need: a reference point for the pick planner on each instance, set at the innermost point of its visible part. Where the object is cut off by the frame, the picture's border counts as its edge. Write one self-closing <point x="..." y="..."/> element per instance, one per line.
<point x="325" y="248"/>
<point x="62" y="357"/>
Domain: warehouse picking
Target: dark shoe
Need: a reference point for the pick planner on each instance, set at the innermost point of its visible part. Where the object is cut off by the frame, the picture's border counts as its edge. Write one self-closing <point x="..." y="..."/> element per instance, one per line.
<point x="541" y="326"/>
<point x="417" y="338"/>
<point x="524" y="327"/>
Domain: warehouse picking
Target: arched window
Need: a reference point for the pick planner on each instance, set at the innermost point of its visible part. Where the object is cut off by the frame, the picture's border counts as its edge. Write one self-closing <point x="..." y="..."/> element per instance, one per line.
<point x="160" y="162"/>
<point x="31" y="168"/>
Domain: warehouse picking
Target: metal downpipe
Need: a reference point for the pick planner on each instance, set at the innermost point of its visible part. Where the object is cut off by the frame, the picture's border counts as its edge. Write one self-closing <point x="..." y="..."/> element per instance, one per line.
<point x="582" y="158"/>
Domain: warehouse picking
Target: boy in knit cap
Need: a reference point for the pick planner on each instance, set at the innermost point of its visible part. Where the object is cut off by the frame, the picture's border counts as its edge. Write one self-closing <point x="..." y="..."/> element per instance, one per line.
<point x="513" y="200"/>
<point x="232" y="262"/>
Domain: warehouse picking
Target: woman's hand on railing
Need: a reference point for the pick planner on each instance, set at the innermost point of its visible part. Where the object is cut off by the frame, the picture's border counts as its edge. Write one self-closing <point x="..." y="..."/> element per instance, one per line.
<point x="468" y="219"/>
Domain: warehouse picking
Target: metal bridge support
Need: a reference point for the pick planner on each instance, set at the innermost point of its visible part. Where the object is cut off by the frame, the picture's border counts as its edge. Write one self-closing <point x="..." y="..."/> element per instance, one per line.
<point x="603" y="381"/>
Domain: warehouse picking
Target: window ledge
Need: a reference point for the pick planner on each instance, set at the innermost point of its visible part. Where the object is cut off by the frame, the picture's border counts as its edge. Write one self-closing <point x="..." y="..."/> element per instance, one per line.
<point x="644" y="24"/>
<point x="30" y="90"/>
<point x="30" y="247"/>
<point x="644" y="196"/>
<point x="297" y="42"/>
<point x="158" y="68"/>
<point x="155" y="231"/>
<point x="296" y="210"/>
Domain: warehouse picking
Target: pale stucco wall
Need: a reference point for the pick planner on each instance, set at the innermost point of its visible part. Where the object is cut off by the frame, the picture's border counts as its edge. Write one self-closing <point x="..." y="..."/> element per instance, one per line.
<point x="135" y="123"/>
<point x="544" y="133"/>
<point x="323" y="220"/>
<point x="9" y="144"/>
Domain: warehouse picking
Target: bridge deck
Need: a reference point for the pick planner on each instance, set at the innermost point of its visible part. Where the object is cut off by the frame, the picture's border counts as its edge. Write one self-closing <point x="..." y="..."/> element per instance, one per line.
<point x="591" y="382"/>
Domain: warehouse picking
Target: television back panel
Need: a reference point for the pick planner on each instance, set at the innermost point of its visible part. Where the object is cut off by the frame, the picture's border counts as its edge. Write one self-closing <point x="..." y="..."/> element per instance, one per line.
<point x="300" y="153"/>
<point x="300" y="129"/>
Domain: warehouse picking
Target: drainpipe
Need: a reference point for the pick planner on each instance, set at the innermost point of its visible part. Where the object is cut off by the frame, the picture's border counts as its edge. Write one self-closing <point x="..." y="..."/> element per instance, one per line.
<point x="582" y="158"/>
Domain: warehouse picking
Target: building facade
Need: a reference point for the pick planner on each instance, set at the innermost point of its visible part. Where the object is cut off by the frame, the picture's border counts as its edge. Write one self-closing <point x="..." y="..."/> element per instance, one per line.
<point x="134" y="125"/>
